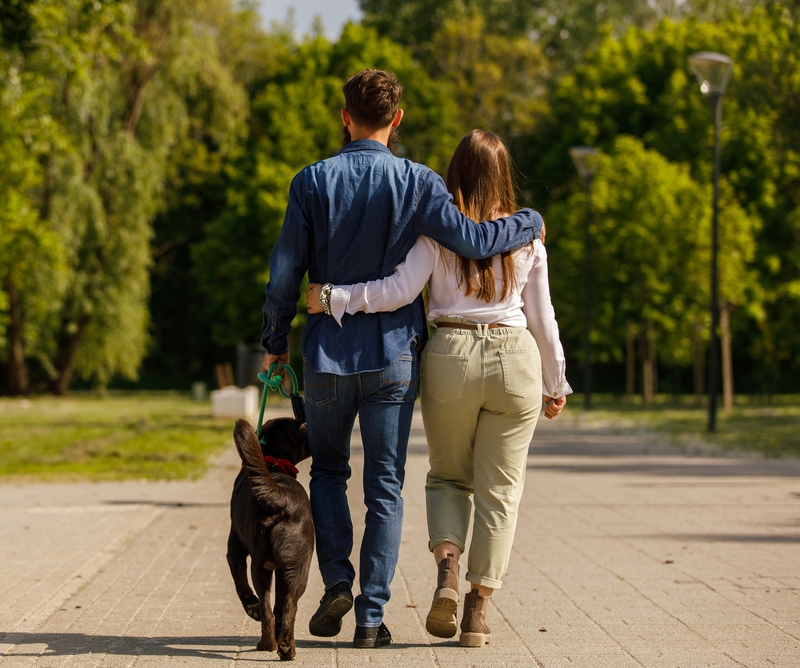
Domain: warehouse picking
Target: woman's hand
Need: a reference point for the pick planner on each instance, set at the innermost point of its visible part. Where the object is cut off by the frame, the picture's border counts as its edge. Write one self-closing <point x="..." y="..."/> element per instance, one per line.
<point x="553" y="407"/>
<point x="312" y="298"/>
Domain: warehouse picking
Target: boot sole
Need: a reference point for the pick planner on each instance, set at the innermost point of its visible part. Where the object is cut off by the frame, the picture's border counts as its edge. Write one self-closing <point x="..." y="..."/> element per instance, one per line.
<point x="474" y="639"/>
<point x="329" y="623"/>
<point x="371" y="643"/>
<point x="441" y="621"/>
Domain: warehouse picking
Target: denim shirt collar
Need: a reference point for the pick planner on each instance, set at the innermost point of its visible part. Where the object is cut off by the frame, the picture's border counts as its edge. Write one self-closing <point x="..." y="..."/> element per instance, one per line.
<point x="365" y="145"/>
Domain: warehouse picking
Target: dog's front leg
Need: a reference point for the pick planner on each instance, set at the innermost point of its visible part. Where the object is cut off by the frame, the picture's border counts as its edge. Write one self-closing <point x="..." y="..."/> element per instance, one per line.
<point x="237" y="561"/>
<point x="262" y="579"/>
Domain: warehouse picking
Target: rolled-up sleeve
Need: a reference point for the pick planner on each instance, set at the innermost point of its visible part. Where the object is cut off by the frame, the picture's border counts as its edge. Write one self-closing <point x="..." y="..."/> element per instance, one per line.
<point x="288" y="264"/>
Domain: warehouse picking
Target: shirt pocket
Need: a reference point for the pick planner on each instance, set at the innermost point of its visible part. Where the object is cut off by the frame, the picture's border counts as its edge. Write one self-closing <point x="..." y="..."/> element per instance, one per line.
<point x="444" y="375"/>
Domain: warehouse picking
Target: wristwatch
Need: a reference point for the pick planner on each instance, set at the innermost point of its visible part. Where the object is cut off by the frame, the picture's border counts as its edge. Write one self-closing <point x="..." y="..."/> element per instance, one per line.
<point x="325" y="298"/>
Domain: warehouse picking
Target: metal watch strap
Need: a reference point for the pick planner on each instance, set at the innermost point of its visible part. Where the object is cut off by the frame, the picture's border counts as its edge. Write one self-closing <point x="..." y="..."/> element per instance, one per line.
<point x="325" y="298"/>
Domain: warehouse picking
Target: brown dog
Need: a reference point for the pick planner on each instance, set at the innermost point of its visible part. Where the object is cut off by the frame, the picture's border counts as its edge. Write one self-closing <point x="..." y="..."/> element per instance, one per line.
<point x="271" y="523"/>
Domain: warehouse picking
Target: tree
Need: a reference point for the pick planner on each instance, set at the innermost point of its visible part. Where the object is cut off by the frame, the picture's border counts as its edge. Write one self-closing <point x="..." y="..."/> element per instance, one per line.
<point x="563" y="31"/>
<point x="30" y="253"/>
<point x="496" y="83"/>
<point x="651" y="257"/>
<point x="641" y="85"/>
<point x="296" y="121"/>
<point x="115" y="80"/>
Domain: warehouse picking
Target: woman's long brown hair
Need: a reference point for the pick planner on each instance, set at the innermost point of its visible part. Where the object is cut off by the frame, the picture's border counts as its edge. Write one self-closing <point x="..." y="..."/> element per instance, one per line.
<point x="479" y="178"/>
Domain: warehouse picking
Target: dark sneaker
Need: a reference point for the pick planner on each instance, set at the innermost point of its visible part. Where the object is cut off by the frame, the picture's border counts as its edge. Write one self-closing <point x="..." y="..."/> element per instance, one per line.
<point x="367" y="637"/>
<point x="326" y="622"/>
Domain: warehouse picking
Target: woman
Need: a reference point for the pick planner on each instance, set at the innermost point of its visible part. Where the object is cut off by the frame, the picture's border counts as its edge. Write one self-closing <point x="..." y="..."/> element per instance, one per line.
<point x="495" y="348"/>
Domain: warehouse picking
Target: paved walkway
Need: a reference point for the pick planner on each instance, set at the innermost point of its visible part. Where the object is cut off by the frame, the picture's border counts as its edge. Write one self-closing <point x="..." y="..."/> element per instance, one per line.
<point x="628" y="553"/>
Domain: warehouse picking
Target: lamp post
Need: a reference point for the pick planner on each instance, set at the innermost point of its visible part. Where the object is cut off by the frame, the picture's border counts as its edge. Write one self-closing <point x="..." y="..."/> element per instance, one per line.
<point x="585" y="159"/>
<point x="713" y="71"/>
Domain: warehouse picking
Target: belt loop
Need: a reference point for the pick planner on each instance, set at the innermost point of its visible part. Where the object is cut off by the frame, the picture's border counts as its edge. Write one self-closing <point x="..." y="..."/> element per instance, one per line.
<point x="483" y="330"/>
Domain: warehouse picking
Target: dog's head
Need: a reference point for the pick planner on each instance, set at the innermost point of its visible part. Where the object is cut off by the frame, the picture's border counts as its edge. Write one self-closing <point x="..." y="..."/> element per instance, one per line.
<point x="285" y="438"/>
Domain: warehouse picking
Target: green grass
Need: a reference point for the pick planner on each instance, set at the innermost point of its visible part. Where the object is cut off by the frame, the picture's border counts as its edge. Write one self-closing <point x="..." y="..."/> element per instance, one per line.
<point x="771" y="429"/>
<point x="155" y="435"/>
<point x="166" y="435"/>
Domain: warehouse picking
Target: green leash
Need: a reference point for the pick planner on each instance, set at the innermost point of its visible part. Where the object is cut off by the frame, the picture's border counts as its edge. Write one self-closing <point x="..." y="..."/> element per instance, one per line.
<point x="273" y="381"/>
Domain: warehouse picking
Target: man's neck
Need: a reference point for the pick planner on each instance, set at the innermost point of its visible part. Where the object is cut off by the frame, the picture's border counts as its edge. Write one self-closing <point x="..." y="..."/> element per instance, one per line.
<point x="381" y="135"/>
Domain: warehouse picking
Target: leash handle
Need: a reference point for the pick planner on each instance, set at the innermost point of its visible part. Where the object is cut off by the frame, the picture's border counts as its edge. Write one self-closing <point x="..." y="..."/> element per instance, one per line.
<point x="273" y="381"/>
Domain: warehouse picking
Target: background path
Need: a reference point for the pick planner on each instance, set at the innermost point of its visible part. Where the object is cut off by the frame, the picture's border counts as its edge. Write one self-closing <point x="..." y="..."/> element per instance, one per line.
<point x="628" y="553"/>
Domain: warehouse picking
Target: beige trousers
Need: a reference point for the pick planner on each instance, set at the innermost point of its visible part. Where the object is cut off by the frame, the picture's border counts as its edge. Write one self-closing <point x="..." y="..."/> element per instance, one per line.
<point x="481" y="398"/>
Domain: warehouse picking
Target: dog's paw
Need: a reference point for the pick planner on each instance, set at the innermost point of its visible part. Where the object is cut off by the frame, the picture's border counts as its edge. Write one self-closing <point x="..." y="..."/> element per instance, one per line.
<point x="286" y="651"/>
<point x="253" y="610"/>
<point x="267" y="645"/>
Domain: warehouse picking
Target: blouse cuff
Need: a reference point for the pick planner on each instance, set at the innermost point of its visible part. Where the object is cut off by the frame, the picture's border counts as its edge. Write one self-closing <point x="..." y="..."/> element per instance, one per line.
<point x="338" y="301"/>
<point x="560" y="390"/>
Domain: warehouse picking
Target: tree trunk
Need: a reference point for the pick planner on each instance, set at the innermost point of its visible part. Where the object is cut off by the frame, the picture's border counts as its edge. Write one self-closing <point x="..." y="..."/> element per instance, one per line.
<point x="727" y="362"/>
<point x="646" y="355"/>
<point x="153" y="25"/>
<point x="630" y="360"/>
<point x="67" y="356"/>
<point x="17" y="369"/>
<point x="651" y="342"/>
<point x="137" y="86"/>
<point x="699" y="363"/>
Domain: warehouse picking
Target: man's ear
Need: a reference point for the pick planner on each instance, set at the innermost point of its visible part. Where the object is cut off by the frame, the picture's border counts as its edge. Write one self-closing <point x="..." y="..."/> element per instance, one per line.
<point x="346" y="118"/>
<point x="397" y="118"/>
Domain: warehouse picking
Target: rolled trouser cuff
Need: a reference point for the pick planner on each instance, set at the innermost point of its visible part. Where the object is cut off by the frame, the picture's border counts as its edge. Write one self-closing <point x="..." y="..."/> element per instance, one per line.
<point x="474" y="578"/>
<point x="446" y="538"/>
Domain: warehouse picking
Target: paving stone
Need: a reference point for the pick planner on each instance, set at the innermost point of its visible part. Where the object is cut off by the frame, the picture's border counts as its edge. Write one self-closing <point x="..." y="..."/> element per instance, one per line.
<point x="628" y="553"/>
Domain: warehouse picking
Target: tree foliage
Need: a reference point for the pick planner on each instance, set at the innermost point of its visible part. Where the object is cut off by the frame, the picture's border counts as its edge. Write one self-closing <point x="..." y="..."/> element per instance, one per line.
<point x="651" y="257"/>
<point x="295" y="121"/>
<point x="115" y="81"/>
<point x="146" y="149"/>
<point x="641" y="85"/>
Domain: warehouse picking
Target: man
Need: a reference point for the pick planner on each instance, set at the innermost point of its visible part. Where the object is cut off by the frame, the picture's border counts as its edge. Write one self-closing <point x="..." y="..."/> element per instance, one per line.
<point x="353" y="218"/>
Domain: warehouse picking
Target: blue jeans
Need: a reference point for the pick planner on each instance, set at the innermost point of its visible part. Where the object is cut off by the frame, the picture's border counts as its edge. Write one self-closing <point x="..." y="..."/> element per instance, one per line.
<point x="384" y="403"/>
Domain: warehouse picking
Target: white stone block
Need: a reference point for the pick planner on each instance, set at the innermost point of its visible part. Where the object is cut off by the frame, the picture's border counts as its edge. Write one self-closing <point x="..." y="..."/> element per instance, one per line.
<point x="235" y="402"/>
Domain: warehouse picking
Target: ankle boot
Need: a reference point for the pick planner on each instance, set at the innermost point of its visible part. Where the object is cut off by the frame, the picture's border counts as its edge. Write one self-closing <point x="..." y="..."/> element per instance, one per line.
<point x="441" y="621"/>
<point x="474" y="632"/>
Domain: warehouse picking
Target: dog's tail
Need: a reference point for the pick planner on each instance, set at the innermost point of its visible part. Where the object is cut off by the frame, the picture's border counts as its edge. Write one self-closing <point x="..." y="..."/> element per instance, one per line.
<point x="264" y="487"/>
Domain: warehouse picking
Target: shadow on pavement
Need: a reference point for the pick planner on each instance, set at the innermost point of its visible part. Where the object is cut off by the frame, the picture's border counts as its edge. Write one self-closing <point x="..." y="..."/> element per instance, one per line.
<point x="166" y="504"/>
<point x="677" y="466"/>
<point x="726" y="538"/>
<point x="206" y="647"/>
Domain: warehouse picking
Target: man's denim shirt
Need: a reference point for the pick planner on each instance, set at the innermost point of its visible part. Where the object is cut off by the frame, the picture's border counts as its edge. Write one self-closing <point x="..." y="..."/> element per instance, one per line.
<point x="353" y="218"/>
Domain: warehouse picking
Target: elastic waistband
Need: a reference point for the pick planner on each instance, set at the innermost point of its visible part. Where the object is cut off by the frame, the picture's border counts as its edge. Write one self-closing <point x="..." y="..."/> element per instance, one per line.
<point x="466" y="325"/>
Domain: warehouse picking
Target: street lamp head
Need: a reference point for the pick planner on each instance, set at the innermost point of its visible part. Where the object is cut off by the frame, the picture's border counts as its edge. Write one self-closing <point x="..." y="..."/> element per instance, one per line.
<point x="713" y="71"/>
<point x="585" y="159"/>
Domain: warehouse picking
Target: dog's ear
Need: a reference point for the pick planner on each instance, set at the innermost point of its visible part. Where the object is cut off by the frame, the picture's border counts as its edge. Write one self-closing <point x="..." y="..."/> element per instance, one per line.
<point x="285" y="438"/>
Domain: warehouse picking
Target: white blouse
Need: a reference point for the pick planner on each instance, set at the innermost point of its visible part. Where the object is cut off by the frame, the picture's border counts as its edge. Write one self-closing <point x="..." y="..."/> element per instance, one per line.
<point x="528" y="305"/>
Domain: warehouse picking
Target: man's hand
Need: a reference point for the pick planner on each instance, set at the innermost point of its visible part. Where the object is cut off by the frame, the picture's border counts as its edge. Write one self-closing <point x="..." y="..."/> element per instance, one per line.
<point x="553" y="407"/>
<point x="312" y="298"/>
<point x="269" y="360"/>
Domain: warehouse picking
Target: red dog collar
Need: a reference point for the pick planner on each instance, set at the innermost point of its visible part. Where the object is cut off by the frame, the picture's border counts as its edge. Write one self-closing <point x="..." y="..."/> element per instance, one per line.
<point x="282" y="465"/>
<point x="277" y="465"/>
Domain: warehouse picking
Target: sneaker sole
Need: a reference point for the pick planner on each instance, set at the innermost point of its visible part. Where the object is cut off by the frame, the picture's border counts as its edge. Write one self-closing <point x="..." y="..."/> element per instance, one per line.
<point x="441" y="621"/>
<point x="474" y="639"/>
<point x="329" y="623"/>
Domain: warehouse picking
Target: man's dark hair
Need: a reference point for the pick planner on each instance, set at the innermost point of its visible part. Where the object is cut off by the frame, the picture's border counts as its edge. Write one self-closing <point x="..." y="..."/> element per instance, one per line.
<point x="371" y="97"/>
